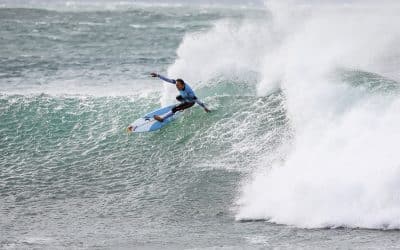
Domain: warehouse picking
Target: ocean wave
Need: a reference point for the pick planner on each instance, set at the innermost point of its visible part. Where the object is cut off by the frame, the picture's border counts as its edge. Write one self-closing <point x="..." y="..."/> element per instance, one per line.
<point x="342" y="168"/>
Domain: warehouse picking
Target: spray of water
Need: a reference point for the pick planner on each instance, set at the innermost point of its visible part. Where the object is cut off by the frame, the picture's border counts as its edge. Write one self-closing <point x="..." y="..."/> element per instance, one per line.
<point x="343" y="167"/>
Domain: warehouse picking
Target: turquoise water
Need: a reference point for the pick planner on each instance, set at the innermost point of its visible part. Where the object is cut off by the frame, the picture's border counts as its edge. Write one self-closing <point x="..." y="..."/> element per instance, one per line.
<point x="71" y="81"/>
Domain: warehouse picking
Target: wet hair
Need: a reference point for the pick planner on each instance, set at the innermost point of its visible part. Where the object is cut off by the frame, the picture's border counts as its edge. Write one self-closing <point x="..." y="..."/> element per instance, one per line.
<point x="180" y="81"/>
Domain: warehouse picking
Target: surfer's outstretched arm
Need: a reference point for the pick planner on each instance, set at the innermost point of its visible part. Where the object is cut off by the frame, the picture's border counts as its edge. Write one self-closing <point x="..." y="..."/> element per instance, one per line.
<point x="201" y="104"/>
<point x="163" y="78"/>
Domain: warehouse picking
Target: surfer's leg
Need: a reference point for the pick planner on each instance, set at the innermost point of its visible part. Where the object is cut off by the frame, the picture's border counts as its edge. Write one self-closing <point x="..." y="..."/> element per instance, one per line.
<point x="179" y="107"/>
<point x="182" y="106"/>
<point x="161" y="119"/>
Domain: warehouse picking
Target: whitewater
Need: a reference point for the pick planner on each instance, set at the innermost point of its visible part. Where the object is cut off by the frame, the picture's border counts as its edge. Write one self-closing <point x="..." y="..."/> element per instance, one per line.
<point x="300" y="151"/>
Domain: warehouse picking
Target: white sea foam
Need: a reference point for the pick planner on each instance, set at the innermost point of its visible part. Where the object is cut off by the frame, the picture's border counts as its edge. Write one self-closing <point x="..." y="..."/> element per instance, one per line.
<point x="343" y="168"/>
<point x="232" y="48"/>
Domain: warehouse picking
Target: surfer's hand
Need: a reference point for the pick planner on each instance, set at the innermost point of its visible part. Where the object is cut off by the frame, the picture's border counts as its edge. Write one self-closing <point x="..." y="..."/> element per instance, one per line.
<point x="207" y="110"/>
<point x="154" y="74"/>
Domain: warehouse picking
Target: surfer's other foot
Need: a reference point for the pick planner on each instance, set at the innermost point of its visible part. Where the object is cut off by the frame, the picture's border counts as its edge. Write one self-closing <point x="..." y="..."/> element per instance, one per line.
<point x="130" y="128"/>
<point x="158" y="118"/>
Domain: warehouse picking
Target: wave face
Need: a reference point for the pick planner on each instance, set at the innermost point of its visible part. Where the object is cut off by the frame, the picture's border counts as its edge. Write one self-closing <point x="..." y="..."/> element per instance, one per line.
<point x="304" y="128"/>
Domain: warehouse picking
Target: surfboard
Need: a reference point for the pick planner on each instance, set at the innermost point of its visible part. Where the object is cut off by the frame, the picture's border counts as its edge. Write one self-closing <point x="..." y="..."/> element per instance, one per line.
<point x="147" y="123"/>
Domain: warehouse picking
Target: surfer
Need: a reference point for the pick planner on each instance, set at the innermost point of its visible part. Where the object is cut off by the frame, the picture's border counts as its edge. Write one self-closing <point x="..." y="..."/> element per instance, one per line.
<point x="186" y="97"/>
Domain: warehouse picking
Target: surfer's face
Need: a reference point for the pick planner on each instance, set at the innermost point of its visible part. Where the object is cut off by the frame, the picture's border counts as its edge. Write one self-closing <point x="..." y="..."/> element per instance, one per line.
<point x="180" y="85"/>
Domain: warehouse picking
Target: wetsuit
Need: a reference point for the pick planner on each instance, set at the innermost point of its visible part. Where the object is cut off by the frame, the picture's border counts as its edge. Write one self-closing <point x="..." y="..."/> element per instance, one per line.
<point x="186" y="97"/>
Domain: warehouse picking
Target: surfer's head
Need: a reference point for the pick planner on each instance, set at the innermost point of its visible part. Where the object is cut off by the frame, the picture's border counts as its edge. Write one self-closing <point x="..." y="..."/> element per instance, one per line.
<point x="180" y="84"/>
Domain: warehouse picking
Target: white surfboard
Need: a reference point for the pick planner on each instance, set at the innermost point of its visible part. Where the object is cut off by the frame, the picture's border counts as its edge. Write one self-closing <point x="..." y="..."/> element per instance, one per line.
<point x="147" y="123"/>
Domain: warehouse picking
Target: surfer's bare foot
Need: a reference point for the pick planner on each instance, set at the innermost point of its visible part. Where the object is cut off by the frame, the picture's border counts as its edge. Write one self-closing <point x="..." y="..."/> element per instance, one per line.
<point x="130" y="128"/>
<point x="158" y="118"/>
